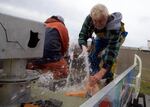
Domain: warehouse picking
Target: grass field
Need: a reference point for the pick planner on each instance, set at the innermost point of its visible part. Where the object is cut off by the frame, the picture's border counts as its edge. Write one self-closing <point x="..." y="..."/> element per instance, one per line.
<point x="145" y="87"/>
<point x="145" y="83"/>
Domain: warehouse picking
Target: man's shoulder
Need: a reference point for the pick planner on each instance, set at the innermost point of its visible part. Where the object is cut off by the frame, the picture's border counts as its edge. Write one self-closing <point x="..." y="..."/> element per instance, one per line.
<point x="52" y="31"/>
<point x="88" y="19"/>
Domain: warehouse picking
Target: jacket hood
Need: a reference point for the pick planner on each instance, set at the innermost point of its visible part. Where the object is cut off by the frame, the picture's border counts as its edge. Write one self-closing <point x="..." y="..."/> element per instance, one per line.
<point x="50" y="20"/>
<point x="114" y="21"/>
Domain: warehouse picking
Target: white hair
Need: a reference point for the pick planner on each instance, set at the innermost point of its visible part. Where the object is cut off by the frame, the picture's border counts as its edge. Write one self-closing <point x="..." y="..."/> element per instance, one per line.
<point x="98" y="11"/>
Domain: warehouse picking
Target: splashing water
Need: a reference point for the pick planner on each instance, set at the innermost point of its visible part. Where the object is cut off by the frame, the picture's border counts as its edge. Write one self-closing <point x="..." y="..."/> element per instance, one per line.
<point x="22" y="90"/>
<point x="76" y="72"/>
<point x="71" y="54"/>
<point x="42" y="93"/>
<point x="14" y="97"/>
<point x="87" y="65"/>
<point x="79" y="68"/>
<point x="28" y="86"/>
<point x="45" y="79"/>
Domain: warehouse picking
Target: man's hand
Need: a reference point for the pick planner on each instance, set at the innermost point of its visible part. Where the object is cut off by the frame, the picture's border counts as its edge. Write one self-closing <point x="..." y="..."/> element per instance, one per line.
<point x="92" y="81"/>
<point x="84" y="48"/>
<point x="98" y="76"/>
<point x="84" y="51"/>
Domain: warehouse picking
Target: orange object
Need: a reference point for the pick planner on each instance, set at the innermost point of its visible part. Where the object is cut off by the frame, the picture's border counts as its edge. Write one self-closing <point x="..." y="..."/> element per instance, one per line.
<point x="30" y="105"/>
<point x="105" y="103"/>
<point x="82" y="93"/>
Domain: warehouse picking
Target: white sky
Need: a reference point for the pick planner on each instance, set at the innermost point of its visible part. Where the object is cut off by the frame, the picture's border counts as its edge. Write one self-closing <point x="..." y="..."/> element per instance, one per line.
<point x="136" y="14"/>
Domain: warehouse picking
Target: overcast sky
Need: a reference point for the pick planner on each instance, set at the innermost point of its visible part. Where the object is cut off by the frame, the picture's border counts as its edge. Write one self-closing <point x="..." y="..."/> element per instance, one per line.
<point x="136" y="14"/>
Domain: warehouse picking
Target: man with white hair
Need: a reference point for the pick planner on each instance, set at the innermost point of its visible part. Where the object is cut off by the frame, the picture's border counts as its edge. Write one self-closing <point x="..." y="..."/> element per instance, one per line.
<point x="110" y="34"/>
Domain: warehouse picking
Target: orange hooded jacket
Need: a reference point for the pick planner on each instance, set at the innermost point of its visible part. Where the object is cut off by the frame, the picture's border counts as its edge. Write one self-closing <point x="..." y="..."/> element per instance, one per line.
<point x="53" y="23"/>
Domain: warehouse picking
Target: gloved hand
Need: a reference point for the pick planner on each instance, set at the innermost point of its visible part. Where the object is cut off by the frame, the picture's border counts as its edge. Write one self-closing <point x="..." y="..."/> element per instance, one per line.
<point x="84" y="51"/>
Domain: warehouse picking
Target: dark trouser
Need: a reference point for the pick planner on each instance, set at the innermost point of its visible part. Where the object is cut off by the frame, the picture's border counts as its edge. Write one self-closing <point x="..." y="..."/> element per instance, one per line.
<point x="95" y="57"/>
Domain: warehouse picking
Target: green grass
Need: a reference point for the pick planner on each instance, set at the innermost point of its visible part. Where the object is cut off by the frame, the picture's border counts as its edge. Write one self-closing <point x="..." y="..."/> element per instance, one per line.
<point x="145" y="87"/>
<point x="146" y="74"/>
<point x="145" y="83"/>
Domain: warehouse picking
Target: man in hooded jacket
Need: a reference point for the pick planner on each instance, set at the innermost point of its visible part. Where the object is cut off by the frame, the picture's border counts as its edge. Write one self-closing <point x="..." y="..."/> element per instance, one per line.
<point x="55" y="48"/>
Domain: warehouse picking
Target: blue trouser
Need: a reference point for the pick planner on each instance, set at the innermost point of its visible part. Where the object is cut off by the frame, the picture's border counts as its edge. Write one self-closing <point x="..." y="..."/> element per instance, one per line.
<point x="95" y="59"/>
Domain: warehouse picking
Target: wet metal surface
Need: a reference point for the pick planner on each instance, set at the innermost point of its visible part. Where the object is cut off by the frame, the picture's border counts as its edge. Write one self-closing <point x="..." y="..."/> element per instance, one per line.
<point x="39" y="93"/>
